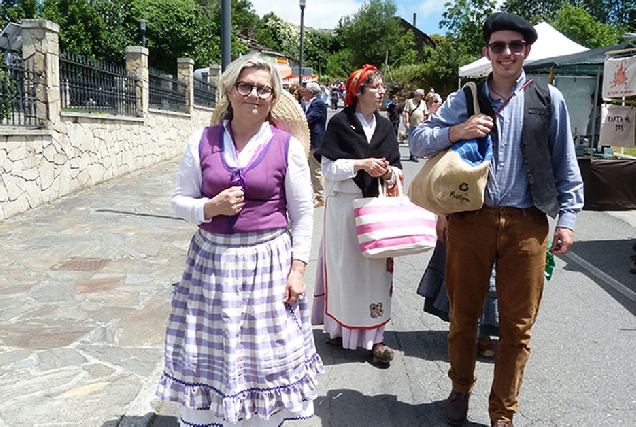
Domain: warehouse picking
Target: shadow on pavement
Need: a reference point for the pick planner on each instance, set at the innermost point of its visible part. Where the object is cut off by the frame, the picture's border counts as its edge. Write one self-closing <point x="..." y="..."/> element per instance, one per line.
<point x="344" y="407"/>
<point x="148" y="420"/>
<point x="608" y="257"/>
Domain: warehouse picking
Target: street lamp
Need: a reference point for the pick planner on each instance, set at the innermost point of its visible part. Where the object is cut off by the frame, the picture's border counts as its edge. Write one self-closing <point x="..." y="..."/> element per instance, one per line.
<point x="302" y="4"/>
<point x="142" y="25"/>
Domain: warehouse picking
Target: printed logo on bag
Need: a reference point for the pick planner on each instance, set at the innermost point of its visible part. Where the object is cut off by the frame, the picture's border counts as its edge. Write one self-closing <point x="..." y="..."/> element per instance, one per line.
<point x="376" y="310"/>
<point x="461" y="197"/>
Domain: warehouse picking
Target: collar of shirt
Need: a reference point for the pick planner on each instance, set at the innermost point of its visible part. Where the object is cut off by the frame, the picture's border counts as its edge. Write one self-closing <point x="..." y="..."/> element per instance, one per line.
<point x="308" y="103"/>
<point x="263" y="135"/>
<point x="368" y="127"/>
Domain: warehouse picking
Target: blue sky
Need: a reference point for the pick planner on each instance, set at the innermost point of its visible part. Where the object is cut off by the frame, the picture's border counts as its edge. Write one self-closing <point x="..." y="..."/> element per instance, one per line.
<point x="326" y="13"/>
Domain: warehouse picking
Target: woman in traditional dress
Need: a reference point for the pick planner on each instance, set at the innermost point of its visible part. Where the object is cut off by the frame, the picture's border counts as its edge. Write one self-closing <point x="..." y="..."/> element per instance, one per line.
<point x="239" y="344"/>
<point x="353" y="293"/>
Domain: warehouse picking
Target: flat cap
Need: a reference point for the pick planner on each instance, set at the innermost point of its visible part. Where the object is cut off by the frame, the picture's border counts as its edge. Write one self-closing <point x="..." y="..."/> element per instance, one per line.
<point x="508" y="21"/>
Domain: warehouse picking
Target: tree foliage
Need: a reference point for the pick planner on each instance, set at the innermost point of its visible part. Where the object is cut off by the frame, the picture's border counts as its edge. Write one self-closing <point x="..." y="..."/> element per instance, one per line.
<point x="82" y="29"/>
<point x="191" y="28"/>
<point x="534" y="11"/>
<point x="579" y="25"/>
<point x="620" y="14"/>
<point x="372" y="34"/>
<point x="279" y="35"/>
<point x="464" y="20"/>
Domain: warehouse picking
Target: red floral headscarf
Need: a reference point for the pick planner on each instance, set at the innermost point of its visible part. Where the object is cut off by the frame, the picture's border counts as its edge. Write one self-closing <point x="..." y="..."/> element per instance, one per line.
<point x="355" y="80"/>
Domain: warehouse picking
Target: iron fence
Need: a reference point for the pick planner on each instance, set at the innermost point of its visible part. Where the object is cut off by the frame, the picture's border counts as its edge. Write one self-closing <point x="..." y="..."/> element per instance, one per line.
<point x="165" y="92"/>
<point x="204" y="93"/>
<point x="19" y="83"/>
<point x="88" y="85"/>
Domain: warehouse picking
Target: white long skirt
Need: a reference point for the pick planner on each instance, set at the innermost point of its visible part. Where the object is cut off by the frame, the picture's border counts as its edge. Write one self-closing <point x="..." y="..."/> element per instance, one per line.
<point x="352" y="294"/>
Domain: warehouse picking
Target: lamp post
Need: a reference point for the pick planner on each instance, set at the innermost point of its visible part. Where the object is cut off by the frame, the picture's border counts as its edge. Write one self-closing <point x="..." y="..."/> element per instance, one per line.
<point x="302" y="4"/>
<point x="142" y="25"/>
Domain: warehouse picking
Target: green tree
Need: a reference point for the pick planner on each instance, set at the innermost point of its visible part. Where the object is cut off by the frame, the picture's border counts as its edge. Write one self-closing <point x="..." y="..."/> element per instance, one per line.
<point x="278" y="35"/>
<point x="319" y="45"/>
<point x="339" y="64"/>
<point x="580" y="26"/>
<point x="619" y="13"/>
<point x="464" y="20"/>
<point x="82" y="29"/>
<point x="14" y="10"/>
<point x="372" y="33"/>
<point x="534" y="11"/>
<point x="462" y="44"/>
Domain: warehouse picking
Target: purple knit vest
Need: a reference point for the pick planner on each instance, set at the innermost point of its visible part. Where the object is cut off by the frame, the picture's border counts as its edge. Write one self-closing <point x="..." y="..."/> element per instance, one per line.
<point x="265" y="202"/>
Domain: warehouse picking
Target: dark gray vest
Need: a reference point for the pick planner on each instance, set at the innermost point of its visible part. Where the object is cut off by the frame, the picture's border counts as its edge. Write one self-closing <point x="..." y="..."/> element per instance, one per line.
<point x="535" y="145"/>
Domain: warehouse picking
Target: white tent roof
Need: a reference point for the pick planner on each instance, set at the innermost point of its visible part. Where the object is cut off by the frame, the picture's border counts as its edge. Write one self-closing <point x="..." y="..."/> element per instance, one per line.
<point x="550" y="43"/>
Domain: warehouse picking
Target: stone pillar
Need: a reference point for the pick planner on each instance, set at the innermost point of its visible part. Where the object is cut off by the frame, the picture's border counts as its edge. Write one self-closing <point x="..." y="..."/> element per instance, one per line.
<point x="137" y="63"/>
<point x="41" y="47"/>
<point x="185" y="70"/>
<point x="215" y="77"/>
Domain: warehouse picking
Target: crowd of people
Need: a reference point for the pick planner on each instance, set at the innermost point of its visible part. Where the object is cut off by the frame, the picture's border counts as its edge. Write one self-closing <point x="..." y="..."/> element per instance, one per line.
<point x="239" y="345"/>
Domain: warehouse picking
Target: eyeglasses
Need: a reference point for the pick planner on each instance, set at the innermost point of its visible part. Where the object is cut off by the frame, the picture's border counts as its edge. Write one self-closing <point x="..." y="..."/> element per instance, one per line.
<point x="376" y="87"/>
<point x="516" y="46"/>
<point x="244" y="89"/>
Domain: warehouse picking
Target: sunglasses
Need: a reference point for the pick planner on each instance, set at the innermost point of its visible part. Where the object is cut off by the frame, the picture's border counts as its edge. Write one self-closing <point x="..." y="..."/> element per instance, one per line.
<point x="244" y="89"/>
<point x="515" y="46"/>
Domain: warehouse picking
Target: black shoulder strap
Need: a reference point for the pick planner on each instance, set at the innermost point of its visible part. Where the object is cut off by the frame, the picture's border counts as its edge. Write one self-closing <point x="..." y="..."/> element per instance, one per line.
<point x="470" y="105"/>
<point x="484" y="103"/>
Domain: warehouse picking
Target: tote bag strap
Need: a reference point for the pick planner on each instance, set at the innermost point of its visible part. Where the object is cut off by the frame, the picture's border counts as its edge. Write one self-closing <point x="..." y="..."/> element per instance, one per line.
<point x="473" y="90"/>
<point x="383" y="188"/>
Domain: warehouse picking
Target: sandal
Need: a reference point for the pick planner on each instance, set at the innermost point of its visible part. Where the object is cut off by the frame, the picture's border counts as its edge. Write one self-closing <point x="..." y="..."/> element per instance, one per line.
<point x="381" y="353"/>
<point x="485" y="346"/>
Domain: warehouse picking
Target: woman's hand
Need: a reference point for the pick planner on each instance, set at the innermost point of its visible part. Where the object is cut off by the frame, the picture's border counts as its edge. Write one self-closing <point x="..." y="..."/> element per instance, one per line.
<point x="295" y="282"/>
<point x="228" y="202"/>
<point x="374" y="167"/>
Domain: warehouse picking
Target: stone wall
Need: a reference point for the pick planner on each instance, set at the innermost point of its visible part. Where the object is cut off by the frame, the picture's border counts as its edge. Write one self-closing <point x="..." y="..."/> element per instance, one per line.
<point x="74" y="151"/>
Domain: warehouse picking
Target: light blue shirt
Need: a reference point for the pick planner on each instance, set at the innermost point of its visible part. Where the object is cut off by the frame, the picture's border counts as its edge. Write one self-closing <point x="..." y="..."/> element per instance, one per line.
<point x="508" y="179"/>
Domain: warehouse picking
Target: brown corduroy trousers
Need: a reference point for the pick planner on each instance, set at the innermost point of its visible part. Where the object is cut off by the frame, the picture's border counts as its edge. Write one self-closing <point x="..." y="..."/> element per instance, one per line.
<point x="516" y="239"/>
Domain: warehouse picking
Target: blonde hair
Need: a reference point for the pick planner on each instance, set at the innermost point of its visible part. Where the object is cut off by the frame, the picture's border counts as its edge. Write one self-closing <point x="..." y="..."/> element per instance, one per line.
<point x="252" y="60"/>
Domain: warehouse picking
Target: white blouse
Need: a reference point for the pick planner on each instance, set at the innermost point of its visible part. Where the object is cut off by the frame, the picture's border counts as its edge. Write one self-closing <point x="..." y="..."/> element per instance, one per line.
<point x="342" y="172"/>
<point x="187" y="200"/>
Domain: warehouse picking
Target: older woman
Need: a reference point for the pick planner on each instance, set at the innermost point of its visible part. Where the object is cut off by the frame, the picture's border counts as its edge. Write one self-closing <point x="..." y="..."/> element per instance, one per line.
<point x="433" y="102"/>
<point x="359" y="149"/>
<point x="239" y="345"/>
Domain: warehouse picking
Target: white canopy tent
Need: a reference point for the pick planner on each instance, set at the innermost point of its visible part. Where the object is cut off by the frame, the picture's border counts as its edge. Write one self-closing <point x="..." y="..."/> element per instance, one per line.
<point x="550" y="43"/>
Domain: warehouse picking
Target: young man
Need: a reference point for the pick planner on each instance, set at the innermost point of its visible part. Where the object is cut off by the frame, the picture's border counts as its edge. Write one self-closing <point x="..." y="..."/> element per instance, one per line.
<point x="534" y="173"/>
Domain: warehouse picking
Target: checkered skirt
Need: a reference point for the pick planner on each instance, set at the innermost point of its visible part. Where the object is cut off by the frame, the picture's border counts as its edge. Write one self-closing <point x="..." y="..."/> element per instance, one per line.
<point x="232" y="347"/>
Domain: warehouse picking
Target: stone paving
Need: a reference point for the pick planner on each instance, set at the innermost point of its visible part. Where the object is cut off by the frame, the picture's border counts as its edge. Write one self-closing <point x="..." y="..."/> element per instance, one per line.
<point x="85" y="288"/>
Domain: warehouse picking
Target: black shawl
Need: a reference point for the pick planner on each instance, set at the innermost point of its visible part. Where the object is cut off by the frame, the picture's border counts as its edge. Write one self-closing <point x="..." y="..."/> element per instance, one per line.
<point x="345" y="139"/>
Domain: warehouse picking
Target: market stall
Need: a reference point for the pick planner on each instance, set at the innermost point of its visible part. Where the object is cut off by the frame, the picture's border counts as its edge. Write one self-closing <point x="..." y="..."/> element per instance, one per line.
<point x="599" y="120"/>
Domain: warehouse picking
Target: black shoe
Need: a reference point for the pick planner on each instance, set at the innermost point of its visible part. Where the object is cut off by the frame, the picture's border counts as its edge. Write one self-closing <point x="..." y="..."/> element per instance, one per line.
<point x="632" y="267"/>
<point x="456" y="409"/>
<point x="413" y="159"/>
